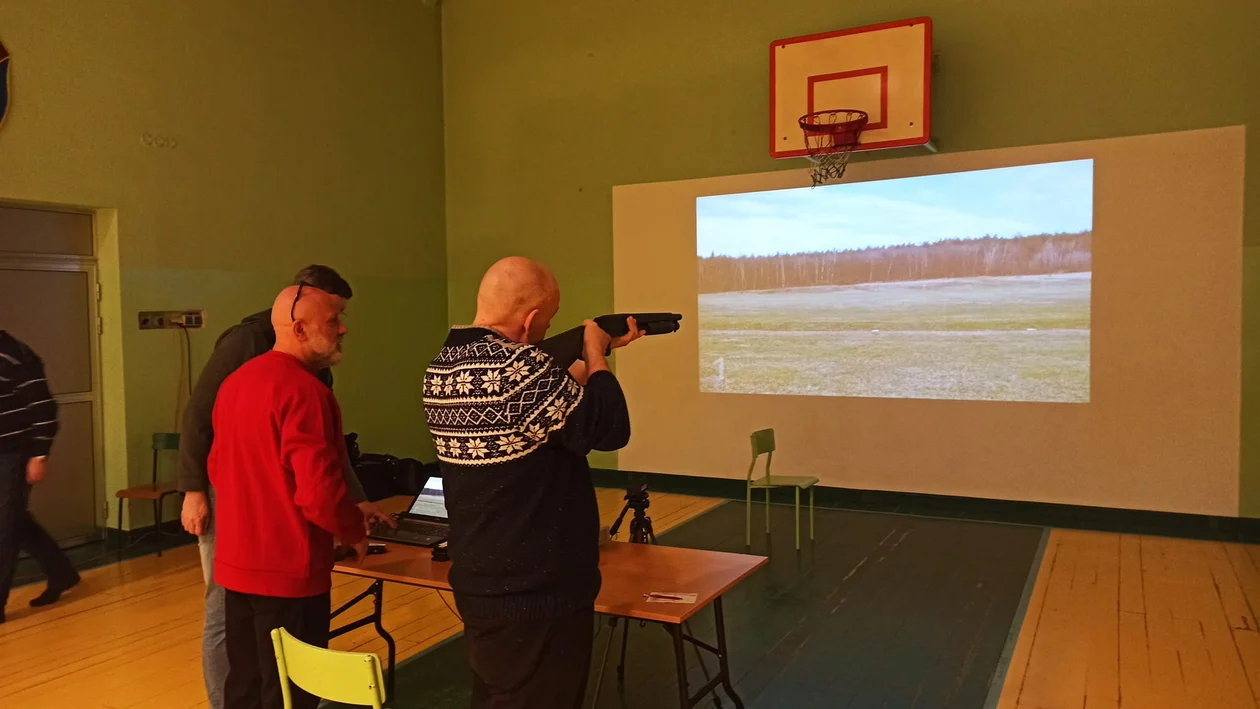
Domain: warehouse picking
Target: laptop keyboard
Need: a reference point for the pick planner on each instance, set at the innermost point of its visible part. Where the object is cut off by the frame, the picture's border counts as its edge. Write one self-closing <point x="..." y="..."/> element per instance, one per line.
<point x="413" y="531"/>
<point x="421" y="529"/>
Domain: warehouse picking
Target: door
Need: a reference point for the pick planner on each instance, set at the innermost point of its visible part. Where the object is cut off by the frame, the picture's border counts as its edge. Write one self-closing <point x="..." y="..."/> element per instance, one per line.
<point x="48" y="299"/>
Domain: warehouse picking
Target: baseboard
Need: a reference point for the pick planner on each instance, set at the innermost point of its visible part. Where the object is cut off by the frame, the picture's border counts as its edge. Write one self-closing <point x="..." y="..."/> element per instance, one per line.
<point x="172" y="529"/>
<point x="1103" y="519"/>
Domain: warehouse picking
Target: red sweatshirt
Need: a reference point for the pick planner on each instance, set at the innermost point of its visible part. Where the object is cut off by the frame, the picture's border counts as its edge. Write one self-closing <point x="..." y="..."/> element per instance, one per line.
<point x="276" y="465"/>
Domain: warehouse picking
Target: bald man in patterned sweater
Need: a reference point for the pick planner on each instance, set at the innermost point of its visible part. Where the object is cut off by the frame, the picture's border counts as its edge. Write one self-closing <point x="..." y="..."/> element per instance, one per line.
<point x="512" y="431"/>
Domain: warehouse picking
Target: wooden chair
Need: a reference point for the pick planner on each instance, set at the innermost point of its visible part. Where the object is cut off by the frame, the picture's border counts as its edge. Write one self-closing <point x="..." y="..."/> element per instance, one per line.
<point x="345" y="677"/>
<point x="763" y="443"/>
<point x="155" y="492"/>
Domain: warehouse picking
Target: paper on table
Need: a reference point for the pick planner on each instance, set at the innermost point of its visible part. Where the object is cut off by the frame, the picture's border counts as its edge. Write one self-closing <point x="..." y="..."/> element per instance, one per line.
<point x="659" y="597"/>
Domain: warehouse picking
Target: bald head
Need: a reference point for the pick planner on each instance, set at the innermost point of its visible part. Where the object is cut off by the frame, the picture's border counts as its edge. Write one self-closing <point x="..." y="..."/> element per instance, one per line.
<point x="518" y="297"/>
<point x="308" y="325"/>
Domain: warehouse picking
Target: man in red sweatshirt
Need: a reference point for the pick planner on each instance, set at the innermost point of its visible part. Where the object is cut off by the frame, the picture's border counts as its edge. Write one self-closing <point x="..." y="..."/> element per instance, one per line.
<point x="277" y="467"/>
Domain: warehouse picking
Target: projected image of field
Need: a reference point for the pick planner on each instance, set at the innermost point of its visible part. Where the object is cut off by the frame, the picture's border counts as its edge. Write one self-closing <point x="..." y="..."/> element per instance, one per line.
<point x="902" y="302"/>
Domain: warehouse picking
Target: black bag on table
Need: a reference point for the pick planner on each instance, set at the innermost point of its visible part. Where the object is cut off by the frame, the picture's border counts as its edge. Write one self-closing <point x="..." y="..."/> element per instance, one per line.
<point x="384" y="475"/>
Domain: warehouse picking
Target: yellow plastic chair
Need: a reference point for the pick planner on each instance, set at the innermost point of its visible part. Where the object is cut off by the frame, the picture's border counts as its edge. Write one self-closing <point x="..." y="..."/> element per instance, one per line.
<point x="763" y="444"/>
<point x="345" y="677"/>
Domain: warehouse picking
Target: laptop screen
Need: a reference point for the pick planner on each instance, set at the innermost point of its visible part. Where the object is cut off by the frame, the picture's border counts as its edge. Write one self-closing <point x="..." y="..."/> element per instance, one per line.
<point x="431" y="502"/>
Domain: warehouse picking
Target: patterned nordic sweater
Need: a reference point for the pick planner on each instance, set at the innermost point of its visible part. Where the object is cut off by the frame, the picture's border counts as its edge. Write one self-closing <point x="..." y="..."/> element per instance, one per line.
<point x="512" y="431"/>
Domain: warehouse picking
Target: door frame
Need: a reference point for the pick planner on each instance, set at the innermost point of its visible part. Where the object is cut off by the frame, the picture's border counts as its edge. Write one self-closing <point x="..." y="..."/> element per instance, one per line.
<point x="79" y="264"/>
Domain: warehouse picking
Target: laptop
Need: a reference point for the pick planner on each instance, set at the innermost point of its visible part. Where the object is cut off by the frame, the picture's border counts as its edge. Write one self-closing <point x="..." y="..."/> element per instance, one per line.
<point x="424" y="524"/>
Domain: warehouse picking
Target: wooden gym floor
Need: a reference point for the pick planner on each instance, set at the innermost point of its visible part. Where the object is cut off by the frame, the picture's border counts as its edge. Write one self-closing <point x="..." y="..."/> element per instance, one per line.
<point x="1123" y="621"/>
<point x="129" y="636"/>
<point x="883" y="611"/>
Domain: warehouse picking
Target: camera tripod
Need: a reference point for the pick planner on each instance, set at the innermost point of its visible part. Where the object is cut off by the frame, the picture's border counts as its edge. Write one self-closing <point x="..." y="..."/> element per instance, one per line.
<point x="641" y="532"/>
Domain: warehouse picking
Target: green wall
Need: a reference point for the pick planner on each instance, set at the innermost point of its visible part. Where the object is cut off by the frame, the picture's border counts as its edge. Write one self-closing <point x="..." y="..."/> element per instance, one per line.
<point x="552" y="102"/>
<point x="313" y="131"/>
<point x="308" y="131"/>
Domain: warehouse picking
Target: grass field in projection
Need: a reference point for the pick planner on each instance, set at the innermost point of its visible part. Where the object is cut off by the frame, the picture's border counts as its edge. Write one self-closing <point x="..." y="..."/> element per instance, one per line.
<point x="1005" y="338"/>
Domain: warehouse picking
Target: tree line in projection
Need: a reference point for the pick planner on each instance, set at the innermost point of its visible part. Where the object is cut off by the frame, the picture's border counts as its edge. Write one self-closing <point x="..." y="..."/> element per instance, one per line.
<point x="952" y="258"/>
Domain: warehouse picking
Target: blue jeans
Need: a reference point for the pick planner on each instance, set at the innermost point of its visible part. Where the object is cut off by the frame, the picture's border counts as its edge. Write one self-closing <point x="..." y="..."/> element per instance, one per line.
<point x="214" y="661"/>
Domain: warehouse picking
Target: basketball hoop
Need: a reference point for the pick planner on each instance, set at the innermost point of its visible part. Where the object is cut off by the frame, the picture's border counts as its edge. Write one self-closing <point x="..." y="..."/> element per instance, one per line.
<point x="830" y="136"/>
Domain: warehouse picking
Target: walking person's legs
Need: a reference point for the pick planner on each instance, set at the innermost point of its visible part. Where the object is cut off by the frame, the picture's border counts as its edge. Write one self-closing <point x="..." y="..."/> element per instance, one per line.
<point x="19" y="530"/>
<point x="12" y="504"/>
<point x="44" y="549"/>
<point x="51" y="559"/>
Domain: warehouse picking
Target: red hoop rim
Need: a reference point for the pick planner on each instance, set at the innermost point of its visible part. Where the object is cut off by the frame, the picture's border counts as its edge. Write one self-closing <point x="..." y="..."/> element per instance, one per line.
<point x="856" y="121"/>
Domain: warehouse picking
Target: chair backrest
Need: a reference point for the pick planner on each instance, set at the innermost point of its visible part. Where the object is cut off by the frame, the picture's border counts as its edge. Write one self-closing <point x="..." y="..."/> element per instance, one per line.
<point x="166" y="441"/>
<point x="163" y="442"/>
<point x="762" y="443"/>
<point x="345" y="677"/>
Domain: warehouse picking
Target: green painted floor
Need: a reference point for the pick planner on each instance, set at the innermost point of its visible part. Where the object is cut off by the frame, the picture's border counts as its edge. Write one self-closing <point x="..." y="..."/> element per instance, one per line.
<point x="881" y="612"/>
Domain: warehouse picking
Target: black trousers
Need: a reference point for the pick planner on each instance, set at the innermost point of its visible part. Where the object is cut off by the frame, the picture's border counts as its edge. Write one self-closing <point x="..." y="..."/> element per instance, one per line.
<point x="530" y="664"/>
<point x="20" y="531"/>
<point x="253" y="680"/>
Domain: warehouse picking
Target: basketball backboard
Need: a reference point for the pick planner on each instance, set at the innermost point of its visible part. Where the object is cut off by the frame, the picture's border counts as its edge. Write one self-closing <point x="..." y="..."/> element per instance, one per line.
<point x="884" y="70"/>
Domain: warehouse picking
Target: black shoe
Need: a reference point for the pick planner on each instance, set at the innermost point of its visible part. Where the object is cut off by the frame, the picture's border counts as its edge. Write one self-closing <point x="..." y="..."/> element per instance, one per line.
<point x="53" y="593"/>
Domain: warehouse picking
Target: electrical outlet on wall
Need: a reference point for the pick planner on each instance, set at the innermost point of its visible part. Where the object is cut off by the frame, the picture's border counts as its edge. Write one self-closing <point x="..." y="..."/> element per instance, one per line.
<point x="172" y="319"/>
<point x="193" y="319"/>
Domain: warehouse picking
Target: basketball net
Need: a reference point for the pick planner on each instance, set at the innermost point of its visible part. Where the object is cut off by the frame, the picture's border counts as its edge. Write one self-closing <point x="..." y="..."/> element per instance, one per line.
<point x="830" y="137"/>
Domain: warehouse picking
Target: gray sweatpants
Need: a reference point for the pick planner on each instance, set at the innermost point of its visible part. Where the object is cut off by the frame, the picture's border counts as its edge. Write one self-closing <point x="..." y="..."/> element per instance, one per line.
<point x="214" y="661"/>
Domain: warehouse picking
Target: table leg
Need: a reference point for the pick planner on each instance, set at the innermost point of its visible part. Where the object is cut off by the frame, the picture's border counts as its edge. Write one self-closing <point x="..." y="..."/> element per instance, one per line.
<point x="157" y="523"/>
<point x="684" y="696"/>
<point x="378" y="612"/>
<point x="723" y="666"/>
<point x="603" y="665"/>
<point x="621" y="666"/>
<point x="377" y="591"/>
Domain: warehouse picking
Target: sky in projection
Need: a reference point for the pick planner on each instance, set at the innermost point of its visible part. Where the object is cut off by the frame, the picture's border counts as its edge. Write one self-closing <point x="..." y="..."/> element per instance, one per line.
<point x="1011" y="201"/>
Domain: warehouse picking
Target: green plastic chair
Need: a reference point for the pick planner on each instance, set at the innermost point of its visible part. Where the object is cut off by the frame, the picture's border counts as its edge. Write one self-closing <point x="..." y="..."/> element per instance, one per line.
<point x="345" y="677"/>
<point x="763" y="443"/>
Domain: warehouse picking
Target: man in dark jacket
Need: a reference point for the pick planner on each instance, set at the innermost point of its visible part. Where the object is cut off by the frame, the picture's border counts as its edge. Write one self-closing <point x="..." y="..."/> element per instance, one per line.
<point x="28" y="424"/>
<point x="239" y="344"/>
